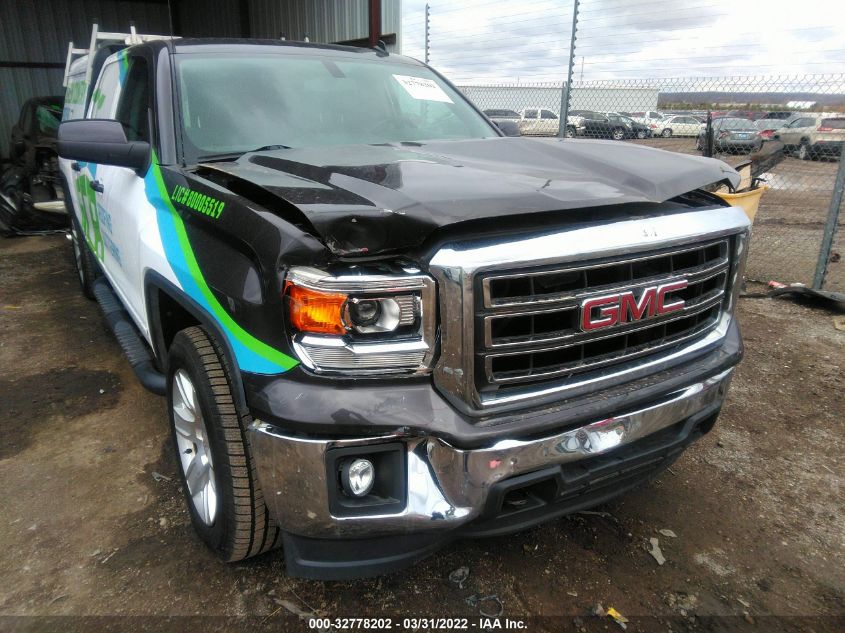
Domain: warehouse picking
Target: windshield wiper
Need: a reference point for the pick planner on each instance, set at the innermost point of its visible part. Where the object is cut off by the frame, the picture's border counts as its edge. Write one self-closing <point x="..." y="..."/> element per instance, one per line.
<point x="211" y="158"/>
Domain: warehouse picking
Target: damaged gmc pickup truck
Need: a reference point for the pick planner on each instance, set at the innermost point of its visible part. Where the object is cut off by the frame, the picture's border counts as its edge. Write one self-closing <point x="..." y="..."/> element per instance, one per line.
<point x="380" y="324"/>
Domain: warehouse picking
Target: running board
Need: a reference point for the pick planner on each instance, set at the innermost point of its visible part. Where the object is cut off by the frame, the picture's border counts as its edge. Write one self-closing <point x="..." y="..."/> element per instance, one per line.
<point x="136" y="350"/>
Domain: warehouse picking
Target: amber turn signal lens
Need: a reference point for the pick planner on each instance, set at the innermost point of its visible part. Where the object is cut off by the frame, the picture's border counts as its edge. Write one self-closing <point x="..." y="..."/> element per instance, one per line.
<point x="315" y="312"/>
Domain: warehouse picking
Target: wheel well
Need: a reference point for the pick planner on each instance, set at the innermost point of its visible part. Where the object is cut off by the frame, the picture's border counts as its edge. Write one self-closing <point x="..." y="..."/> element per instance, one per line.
<point x="172" y="318"/>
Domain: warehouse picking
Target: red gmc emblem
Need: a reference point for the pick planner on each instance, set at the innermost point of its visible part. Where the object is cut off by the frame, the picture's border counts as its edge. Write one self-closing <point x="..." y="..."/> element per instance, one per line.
<point x="610" y="310"/>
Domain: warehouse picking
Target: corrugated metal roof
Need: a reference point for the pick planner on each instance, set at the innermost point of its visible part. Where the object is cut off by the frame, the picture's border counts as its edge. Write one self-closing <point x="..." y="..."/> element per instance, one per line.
<point x="324" y="21"/>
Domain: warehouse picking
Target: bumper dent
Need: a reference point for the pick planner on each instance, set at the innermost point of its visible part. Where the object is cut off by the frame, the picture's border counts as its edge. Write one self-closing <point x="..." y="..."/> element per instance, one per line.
<point x="448" y="486"/>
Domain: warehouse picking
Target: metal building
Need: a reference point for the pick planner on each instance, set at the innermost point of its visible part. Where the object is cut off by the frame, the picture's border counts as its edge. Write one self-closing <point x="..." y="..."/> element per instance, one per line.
<point x="34" y="35"/>
<point x="600" y="98"/>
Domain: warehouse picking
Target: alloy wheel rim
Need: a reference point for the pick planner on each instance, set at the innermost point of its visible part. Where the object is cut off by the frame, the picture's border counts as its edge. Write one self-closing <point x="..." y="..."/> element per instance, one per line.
<point x="194" y="448"/>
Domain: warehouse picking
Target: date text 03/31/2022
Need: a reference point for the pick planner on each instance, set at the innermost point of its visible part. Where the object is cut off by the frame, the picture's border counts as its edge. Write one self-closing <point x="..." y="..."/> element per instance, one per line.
<point x="416" y="624"/>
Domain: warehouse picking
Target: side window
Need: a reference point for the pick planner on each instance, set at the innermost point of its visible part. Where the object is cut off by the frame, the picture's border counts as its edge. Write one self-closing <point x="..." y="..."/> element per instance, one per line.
<point x="531" y="114"/>
<point x="134" y="101"/>
<point x="105" y="94"/>
<point x="547" y="114"/>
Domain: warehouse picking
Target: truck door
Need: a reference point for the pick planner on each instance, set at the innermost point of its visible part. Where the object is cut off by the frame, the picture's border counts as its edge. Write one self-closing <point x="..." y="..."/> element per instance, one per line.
<point x="85" y="179"/>
<point x="549" y="123"/>
<point x="128" y="212"/>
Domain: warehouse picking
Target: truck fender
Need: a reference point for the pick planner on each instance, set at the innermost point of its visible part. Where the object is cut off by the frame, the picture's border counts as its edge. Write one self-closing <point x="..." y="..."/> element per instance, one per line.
<point x="154" y="284"/>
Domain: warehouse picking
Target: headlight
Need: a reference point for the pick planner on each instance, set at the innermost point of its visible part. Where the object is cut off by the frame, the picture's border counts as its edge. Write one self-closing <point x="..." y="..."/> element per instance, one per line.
<point x="361" y="323"/>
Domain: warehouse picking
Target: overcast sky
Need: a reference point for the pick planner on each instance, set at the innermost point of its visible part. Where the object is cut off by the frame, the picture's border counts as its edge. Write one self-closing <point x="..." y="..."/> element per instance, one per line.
<point x="482" y="41"/>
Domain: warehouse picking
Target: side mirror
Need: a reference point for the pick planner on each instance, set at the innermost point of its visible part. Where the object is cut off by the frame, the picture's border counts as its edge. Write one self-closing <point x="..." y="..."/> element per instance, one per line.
<point x="102" y="141"/>
<point x="508" y="128"/>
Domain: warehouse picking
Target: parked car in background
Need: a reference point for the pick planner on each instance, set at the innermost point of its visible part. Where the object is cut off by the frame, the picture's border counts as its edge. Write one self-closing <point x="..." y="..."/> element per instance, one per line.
<point x="648" y="117"/>
<point x="778" y="115"/>
<point x="751" y="115"/>
<point x="502" y="115"/>
<point x="538" y="122"/>
<point x="638" y="130"/>
<point x="768" y="127"/>
<point x="681" y="125"/>
<point x="505" y="120"/>
<point x="731" y="134"/>
<point x="600" y="125"/>
<point x="578" y="120"/>
<point x="813" y="136"/>
<point x="32" y="198"/>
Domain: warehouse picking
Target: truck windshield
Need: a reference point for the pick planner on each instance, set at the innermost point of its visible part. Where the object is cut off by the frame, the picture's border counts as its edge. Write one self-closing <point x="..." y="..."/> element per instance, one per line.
<point x="234" y="103"/>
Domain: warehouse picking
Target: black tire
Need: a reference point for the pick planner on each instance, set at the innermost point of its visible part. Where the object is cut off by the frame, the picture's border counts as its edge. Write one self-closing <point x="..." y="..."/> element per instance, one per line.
<point x="803" y="152"/>
<point x="242" y="526"/>
<point x="617" y="134"/>
<point x="569" y="132"/>
<point x="666" y="133"/>
<point x="87" y="268"/>
<point x="641" y="134"/>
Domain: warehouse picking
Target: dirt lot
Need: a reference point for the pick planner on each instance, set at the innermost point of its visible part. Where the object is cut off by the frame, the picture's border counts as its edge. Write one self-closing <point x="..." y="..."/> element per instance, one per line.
<point x="93" y="522"/>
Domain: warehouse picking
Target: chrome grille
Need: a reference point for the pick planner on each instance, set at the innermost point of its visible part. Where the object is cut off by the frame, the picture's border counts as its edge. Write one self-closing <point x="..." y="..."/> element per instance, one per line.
<point x="518" y="297"/>
<point x="529" y="321"/>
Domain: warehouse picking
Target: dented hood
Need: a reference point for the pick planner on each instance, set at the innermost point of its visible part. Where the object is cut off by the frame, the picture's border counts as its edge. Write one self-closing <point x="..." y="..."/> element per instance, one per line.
<point x="375" y="198"/>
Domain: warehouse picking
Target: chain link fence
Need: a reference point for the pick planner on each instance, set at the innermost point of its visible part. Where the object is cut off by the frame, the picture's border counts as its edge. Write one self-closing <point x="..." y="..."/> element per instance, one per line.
<point x="787" y="130"/>
<point x="792" y="148"/>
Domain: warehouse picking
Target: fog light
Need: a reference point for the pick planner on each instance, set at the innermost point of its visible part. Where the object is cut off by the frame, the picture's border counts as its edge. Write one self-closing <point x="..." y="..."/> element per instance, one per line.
<point x="357" y="477"/>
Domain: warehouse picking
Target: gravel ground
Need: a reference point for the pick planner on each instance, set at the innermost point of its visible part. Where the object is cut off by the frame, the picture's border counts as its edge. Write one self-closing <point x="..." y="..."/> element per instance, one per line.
<point x="93" y="522"/>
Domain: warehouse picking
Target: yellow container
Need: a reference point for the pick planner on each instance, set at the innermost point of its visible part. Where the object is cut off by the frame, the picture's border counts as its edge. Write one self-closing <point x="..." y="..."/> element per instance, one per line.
<point x="748" y="200"/>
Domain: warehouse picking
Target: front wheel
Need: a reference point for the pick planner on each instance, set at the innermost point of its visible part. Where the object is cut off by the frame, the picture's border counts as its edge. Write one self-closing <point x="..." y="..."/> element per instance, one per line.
<point x="213" y="451"/>
<point x="569" y="132"/>
<point x="641" y="133"/>
<point x="618" y="134"/>
<point x="666" y="133"/>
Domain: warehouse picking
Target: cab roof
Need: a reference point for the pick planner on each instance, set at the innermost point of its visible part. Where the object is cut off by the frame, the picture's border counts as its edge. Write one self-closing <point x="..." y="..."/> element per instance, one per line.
<point x="282" y="47"/>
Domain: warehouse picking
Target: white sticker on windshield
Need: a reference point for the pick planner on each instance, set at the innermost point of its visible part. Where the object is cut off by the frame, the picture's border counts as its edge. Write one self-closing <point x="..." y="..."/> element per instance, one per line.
<point x="423" y="89"/>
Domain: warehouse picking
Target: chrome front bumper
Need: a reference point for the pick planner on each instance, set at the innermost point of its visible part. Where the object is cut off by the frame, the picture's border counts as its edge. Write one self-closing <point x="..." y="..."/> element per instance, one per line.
<point x="447" y="486"/>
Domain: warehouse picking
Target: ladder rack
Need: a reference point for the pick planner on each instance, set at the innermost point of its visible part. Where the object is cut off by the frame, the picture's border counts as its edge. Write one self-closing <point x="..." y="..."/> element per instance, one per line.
<point x="98" y="37"/>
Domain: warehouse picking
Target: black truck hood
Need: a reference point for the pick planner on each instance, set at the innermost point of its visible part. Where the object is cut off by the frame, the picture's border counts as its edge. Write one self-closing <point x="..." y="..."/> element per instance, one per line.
<point x="376" y="198"/>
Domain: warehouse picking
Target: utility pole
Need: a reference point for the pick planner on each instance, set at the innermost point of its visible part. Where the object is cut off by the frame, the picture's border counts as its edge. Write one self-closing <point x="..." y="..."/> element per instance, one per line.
<point x="565" y="93"/>
<point x="427" y="32"/>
